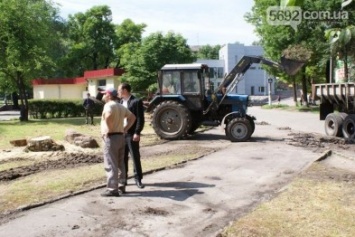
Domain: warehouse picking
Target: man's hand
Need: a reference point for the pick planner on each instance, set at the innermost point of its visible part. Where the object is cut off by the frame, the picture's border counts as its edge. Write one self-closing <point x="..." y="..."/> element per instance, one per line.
<point x="136" y="138"/>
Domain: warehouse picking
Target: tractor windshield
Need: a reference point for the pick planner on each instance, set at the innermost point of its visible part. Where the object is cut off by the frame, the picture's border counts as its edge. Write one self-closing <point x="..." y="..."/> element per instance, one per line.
<point x="171" y="82"/>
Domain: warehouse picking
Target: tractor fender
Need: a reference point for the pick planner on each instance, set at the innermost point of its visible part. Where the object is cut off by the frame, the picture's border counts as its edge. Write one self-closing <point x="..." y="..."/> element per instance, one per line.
<point x="233" y="115"/>
<point x="160" y="98"/>
<point x="230" y="115"/>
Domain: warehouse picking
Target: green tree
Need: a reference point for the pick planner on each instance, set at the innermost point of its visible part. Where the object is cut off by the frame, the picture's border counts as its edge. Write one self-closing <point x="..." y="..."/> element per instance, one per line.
<point x="26" y="33"/>
<point x="309" y="35"/>
<point x="208" y="52"/>
<point x="142" y="61"/>
<point x="92" y="39"/>
<point x="127" y="33"/>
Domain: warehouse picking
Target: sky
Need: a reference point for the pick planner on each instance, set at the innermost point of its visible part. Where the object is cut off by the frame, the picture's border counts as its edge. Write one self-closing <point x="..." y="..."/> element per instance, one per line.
<point x="201" y="22"/>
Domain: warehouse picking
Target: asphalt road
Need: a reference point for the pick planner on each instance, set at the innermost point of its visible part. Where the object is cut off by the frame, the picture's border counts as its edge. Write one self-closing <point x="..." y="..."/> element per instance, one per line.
<point x="8" y="115"/>
<point x="198" y="198"/>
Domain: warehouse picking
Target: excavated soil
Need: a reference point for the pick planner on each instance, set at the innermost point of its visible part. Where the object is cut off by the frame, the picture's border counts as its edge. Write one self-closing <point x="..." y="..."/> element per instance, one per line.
<point x="199" y="145"/>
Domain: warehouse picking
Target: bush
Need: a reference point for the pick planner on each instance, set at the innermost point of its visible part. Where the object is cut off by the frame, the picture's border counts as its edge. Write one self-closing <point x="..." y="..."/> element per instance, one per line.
<point x="59" y="108"/>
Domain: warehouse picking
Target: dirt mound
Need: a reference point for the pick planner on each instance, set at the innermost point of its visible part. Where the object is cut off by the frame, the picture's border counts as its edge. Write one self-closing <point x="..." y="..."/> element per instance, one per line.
<point x="67" y="160"/>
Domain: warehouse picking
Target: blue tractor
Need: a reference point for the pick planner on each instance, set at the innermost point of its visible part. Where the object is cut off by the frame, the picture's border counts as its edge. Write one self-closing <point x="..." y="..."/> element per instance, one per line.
<point x="185" y="100"/>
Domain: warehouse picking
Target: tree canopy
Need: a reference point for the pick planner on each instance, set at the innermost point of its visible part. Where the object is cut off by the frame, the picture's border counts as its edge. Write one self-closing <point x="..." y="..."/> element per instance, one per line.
<point x="26" y="33"/>
<point x="277" y="40"/>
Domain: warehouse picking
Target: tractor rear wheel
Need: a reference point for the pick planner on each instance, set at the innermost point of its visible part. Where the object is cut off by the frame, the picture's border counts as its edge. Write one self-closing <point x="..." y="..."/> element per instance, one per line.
<point x="196" y="119"/>
<point x="252" y="123"/>
<point x="239" y="130"/>
<point x="171" y="120"/>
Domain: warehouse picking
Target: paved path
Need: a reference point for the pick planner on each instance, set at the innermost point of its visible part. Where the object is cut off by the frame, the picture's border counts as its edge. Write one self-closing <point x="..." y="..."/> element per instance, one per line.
<point x="8" y="115"/>
<point x="198" y="198"/>
<point x="298" y="121"/>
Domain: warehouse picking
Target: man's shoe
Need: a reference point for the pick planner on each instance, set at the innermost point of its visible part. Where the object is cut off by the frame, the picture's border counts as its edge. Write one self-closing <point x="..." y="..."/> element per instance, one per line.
<point x="110" y="193"/>
<point x="122" y="190"/>
<point x="139" y="184"/>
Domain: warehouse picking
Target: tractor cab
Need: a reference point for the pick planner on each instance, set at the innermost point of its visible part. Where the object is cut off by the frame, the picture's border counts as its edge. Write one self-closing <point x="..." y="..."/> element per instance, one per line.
<point x="185" y="82"/>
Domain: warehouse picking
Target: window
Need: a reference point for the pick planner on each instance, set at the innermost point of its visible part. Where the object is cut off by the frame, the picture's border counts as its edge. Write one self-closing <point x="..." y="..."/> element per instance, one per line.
<point x="191" y="82"/>
<point x="211" y="86"/>
<point x="212" y="72"/>
<point x="101" y="82"/>
<point x="261" y="89"/>
<point x="220" y="72"/>
<point x="171" y="82"/>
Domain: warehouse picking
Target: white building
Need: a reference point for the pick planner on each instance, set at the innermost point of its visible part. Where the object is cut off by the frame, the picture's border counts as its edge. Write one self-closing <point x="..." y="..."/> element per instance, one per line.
<point x="216" y="71"/>
<point x="78" y="87"/>
<point x="255" y="80"/>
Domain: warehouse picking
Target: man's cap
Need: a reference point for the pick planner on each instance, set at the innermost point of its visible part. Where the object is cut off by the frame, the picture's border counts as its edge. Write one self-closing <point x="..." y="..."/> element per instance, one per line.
<point x="110" y="91"/>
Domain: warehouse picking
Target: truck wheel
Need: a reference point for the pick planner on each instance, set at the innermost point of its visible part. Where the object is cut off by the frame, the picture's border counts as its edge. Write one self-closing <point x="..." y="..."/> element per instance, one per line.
<point x="332" y="125"/>
<point x="349" y="127"/>
<point x="171" y="120"/>
<point x="239" y="130"/>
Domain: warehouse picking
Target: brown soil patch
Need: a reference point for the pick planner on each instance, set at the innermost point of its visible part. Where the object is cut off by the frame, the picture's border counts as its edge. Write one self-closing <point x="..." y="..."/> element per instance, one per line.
<point x="63" y="161"/>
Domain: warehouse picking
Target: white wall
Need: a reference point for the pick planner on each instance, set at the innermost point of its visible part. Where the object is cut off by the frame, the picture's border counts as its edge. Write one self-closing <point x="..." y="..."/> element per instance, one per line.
<point x="71" y="91"/>
<point x="254" y="77"/>
<point x="63" y="91"/>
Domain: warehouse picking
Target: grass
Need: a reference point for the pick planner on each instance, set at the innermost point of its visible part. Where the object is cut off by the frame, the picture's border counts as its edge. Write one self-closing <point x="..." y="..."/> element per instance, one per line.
<point x="313" y="205"/>
<point x="14" y="164"/>
<point x="51" y="184"/>
<point x="43" y="186"/>
<point x="55" y="128"/>
<point x="314" y="109"/>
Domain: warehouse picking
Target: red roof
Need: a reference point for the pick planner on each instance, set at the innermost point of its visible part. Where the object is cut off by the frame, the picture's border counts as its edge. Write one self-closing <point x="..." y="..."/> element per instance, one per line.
<point x="108" y="72"/>
<point x="104" y="72"/>
<point x="41" y="81"/>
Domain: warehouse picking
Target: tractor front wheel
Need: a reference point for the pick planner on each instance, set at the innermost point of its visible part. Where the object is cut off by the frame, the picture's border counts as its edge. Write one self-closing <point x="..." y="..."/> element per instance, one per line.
<point x="239" y="130"/>
<point x="171" y="120"/>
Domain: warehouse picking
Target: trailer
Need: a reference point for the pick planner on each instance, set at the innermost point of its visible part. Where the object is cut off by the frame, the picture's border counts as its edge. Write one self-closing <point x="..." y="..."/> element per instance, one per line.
<point x="337" y="108"/>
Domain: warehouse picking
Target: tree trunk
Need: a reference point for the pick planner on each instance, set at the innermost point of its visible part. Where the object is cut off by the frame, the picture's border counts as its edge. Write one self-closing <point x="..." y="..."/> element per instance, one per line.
<point x="294" y="91"/>
<point x="23" y="97"/>
<point x="346" y="69"/>
<point x="304" y="87"/>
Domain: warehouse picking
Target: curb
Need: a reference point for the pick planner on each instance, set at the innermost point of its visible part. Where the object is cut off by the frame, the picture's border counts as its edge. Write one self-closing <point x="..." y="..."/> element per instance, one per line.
<point x="34" y="205"/>
<point x="325" y="155"/>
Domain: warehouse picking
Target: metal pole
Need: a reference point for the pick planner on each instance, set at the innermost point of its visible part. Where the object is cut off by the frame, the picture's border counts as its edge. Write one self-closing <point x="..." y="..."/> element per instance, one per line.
<point x="331" y="70"/>
<point x="270" y="81"/>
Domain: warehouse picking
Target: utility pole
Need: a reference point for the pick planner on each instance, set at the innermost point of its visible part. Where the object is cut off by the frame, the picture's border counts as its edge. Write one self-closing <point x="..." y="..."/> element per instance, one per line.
<point x="270" y="82"/>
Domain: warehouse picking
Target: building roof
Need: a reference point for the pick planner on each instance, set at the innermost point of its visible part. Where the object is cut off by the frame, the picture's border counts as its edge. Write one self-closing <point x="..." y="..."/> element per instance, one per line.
<point x="107" y="72"/>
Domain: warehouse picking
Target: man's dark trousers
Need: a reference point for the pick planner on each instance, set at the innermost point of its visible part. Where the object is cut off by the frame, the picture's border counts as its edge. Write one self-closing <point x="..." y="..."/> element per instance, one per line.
<point x="132" y="148"/>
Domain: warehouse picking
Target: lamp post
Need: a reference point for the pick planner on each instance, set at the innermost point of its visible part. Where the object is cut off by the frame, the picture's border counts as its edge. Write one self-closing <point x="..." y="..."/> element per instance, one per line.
<point x="270" y="82"/>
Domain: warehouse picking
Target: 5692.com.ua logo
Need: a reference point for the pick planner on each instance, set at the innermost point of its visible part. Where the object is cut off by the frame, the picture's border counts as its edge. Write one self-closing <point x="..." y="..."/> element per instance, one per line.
<point x="293" y="16"/>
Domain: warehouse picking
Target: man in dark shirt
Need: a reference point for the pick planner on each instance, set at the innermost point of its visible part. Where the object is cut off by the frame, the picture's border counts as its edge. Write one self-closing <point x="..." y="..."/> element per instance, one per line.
<point x="89" y="109"/>
<point x="135" y="105"/>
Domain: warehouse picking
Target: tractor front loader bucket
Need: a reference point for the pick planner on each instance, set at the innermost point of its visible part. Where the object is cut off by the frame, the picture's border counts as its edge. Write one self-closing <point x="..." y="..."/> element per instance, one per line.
<point x="290" y="66"/>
